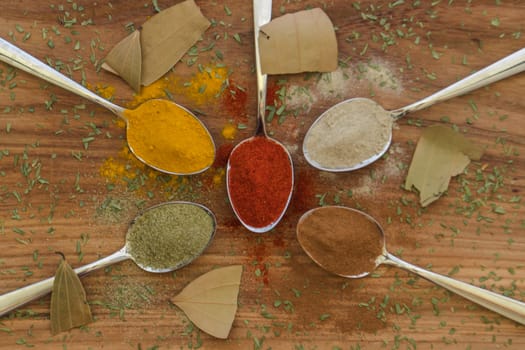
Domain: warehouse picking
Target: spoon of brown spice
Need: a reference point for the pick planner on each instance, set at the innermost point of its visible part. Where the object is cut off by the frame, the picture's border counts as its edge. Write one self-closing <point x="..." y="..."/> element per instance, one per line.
<point x="165" y="151"/>
<point x="163" y="238"/>
<point x="259" y="174"/>
<point x="350" y="243"/>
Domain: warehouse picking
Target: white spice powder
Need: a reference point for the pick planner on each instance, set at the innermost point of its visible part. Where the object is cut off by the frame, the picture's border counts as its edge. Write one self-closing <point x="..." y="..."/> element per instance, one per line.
<point x="348" y="134"/>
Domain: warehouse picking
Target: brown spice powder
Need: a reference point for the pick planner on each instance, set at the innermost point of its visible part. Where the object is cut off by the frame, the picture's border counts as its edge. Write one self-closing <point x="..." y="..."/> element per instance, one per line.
<point x="341" y="240"/>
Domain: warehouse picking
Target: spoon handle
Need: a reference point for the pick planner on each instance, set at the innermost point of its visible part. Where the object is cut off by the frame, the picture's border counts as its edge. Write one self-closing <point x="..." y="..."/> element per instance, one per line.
<point x="12" y="300"/>
<point x="508" y="307"/>
<point x="20" y="59"/>
<point x="506" y="67"/>
<point x="262" y="13"/>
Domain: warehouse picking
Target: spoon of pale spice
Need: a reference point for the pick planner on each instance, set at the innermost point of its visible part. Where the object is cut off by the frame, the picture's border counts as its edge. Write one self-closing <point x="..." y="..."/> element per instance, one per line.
<point x="163" y="238"/>
<point x="165" y="151"/>
<point x="259" y="174"/>
<point x="350" y="243"/>
<point x="356" y="132"/>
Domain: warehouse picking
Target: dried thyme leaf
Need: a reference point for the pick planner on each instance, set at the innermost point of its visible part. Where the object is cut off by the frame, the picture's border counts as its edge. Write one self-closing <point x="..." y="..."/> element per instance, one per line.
<point x="210" y="301"/>
<point x="440" y="154"/>
<point x="126" y="60"/>
<point x="306" y="39"/>
<point x="69" y="307"/>
<point x="166" y="36"/>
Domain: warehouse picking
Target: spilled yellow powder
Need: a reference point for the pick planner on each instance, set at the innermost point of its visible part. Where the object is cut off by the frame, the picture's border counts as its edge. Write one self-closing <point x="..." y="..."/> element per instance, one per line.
<point x="229" y="131"/>
<point x="218" y="176"/>
<point x="205" y="86"/>
<point x="159" y="89"/>
<point x="103" y="90"/>
<point x="126" y="169"/>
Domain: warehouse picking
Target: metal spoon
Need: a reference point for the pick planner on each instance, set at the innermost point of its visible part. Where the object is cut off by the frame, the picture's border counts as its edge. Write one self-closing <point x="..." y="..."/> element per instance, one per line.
<point x="19" y="297"/>
<point x="20" y="59"/>
<point x="503" y="305"/>
<point x="370" y="115"/>
<point x="262" y="13"/>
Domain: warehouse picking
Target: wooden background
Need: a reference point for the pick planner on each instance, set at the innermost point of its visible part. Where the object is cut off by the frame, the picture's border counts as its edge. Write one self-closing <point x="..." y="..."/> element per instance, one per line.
<point x="53" y="197"/>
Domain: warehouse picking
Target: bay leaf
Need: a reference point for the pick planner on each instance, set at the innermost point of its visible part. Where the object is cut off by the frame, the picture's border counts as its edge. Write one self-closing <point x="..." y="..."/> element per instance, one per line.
<point x="210" y="301"/>
<point x="303" y="41"/>
<point x="440" y="154"/>
<point x="167" y="36"/>
<point x="69" y="307"/>
<point x="125" y="59"/>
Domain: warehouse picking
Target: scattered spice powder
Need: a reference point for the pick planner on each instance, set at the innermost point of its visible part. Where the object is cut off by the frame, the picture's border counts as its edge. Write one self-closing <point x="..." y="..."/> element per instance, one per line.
<point x="234" y="100"/>
<point x="341" y="240"/>
<point x="260" y="181"/>
<point x="207" y="84"/>
<point x="170" y="235"/>
<point x="229" y="131"/>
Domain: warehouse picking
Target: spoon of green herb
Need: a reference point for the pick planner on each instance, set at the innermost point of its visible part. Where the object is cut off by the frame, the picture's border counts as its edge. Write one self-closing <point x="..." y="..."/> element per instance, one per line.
<point x="163" y="238"/>
<point x="351" y="244"/>
<point x="169" y="154"/>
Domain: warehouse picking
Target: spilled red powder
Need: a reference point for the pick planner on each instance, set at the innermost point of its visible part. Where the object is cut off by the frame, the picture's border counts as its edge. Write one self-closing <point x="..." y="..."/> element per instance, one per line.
<point x="260" y="181"/>
<point x="271" y="93"/>
<point x="278" y="241"/>
<point x="222" y="154"/>
<point x="234" y="100"/>
<point x="304" y="197"/>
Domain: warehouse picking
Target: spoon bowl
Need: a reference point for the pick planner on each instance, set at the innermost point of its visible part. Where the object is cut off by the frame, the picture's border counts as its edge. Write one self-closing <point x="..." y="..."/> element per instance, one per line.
<point x="236" y="168"/>
<point x="355" y="133"/>
<point x="351" y="244"/>
<point x="149" y="124"/>
<point x="21" y="296"/>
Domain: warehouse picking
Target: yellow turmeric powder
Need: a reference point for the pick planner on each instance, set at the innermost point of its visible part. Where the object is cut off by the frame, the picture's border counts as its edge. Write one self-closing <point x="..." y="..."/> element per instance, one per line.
<point x="207" y="84"/>
<point x="179" y="144"/>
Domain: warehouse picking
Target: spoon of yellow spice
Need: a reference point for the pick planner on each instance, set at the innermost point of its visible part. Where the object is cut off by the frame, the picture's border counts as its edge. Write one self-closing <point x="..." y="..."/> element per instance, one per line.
<point x="160" y="133"/>
<point x="163" y="238"/>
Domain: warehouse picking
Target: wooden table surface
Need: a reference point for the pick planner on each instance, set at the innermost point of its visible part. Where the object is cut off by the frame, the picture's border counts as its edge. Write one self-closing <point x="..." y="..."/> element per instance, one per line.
<point x="54" y="197"/>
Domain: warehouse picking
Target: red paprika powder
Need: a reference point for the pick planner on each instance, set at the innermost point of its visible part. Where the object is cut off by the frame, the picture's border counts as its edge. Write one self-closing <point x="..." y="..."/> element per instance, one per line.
<point x="260" y="181"/>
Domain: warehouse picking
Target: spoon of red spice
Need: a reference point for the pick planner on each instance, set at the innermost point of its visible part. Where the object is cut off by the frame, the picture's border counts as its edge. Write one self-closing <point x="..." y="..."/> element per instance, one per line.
<point x="259" y="174"/>
<point x="350" y="243"/>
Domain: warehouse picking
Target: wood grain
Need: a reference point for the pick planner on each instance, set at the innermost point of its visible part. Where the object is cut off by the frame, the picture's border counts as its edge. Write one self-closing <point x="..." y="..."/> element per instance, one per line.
<point x="51" y="190"/>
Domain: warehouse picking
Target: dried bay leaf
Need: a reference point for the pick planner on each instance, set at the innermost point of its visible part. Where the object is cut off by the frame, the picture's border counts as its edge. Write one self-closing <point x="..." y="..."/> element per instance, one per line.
<point x="69" y="307"/>
<point x="125" y="59"/>
<point x="161" y="42"/>
<point x="440" y="154"/>
<point x="304" y="41"/>
<point x="210" y="301"/>
<point x="167" y="36"/>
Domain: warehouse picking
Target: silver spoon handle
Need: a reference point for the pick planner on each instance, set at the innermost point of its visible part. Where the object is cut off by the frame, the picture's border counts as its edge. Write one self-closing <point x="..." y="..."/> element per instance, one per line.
<point x="506" y="67"/>
<point x="262" y="13"/>
<point x="12" y="300"/>
<point x="508" y="307"/>
<point x="20" y="59"/>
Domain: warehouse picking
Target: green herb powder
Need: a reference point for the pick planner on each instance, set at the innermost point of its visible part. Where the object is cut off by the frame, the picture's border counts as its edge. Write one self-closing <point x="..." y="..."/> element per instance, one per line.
<point x="169" y="235"/>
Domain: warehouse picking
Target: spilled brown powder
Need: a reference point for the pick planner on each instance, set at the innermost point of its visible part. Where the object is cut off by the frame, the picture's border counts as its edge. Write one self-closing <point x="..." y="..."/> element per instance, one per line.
<point x="341" y="240"/>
